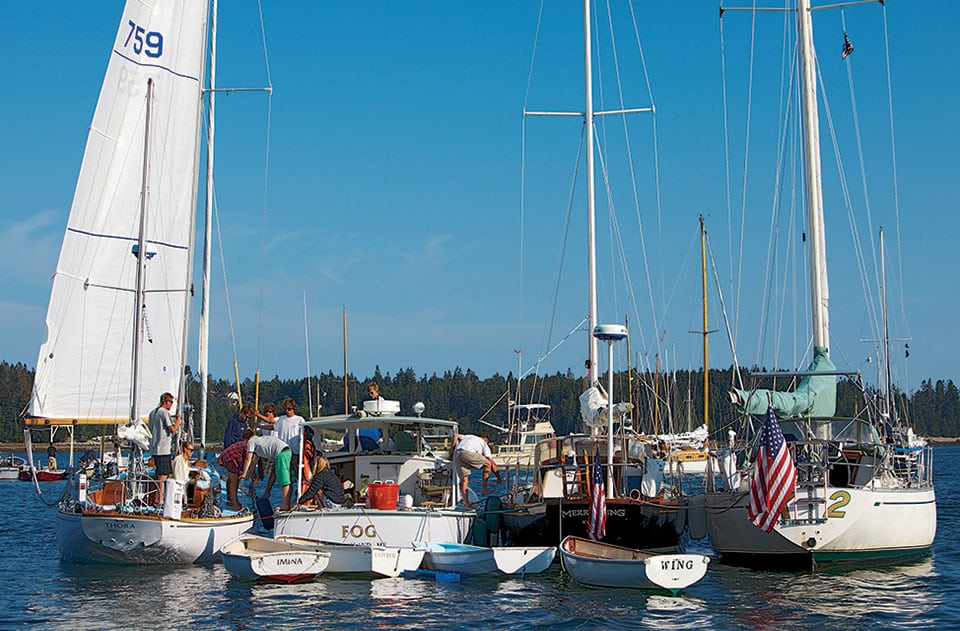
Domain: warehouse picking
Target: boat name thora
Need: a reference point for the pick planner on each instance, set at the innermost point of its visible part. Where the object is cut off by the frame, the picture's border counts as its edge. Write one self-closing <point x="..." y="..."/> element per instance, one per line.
<point x="585" y="512"/>
<point x="357" y="531"/>
<point x="120" y="525"/>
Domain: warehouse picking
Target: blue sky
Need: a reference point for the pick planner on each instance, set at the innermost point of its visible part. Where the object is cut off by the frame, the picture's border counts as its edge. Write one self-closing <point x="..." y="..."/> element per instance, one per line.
<point x="394" y="186"/>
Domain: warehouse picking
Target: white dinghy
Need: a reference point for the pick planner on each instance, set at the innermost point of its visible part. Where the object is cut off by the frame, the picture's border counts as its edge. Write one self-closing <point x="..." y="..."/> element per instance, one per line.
<point x="256" y="558"/>
<point x="473" y="560"/>
<point x="605" y="565"/>
<point x="362" y="558"/>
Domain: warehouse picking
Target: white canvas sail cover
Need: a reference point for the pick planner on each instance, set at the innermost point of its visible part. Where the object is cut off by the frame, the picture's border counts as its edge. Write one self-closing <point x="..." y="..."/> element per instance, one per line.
<point x="84" y="370"/>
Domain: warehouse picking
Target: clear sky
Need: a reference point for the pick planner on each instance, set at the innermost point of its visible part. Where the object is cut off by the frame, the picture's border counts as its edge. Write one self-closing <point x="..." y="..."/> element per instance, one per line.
<point x="394" y="184"/>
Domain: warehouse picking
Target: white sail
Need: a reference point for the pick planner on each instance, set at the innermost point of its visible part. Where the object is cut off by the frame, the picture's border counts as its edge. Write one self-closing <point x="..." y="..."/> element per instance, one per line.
<point x="84" y="370"/>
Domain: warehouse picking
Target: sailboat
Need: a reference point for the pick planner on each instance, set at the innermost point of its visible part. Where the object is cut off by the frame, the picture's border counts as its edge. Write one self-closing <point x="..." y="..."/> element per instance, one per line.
<point x="852" y="499"/>
<point x="641" y="510"/>
<point x="118" y="312"/>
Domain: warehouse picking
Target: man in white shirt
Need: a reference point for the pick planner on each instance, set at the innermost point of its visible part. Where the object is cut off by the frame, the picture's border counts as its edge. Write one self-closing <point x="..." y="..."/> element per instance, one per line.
<point x="270" y="448"/>
<point x="473" y="452"/>
<point x="287" y="429"/>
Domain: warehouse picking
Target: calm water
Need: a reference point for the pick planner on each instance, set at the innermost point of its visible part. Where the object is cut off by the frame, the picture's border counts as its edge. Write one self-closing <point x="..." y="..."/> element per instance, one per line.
<point x="37" y="589"/>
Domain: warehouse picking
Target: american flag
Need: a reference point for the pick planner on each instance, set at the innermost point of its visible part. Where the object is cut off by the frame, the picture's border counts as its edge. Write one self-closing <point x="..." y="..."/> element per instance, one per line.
<point x="847" y="47"/>
<point x="597" y="522"/>
<point x="774" y="478"/>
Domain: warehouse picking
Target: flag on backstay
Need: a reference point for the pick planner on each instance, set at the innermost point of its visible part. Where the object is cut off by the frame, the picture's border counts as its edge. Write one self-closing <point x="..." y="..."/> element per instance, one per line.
<point x="774" y="477"/>
<point x="597" y="521"/>
<point x="847" y="47"/>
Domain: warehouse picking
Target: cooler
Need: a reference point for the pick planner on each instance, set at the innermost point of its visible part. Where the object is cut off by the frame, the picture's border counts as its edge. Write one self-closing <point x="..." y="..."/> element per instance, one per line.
<point x="383" y="495"/>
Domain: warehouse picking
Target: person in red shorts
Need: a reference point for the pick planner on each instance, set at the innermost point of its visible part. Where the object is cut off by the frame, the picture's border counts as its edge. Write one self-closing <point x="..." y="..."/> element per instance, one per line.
<point x="232" y="459"/>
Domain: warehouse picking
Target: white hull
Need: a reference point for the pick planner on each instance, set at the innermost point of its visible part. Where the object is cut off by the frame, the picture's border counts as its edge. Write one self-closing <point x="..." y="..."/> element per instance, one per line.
<point x="603" y="565"/>
<point x="363" y="558"/>
<point x="474" y="560"/>
<point x="148" y="539"/>
<point x="861" y="524"/>
<point x="398" y="528"/>
<point x="9" y="473"/>
<point x="255" y="558"/>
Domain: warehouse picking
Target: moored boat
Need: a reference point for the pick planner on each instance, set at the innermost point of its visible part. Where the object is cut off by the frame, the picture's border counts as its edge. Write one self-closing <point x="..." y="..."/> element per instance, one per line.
<point x="807" y="484"/>
<point x="11" y="466"/>
<point x="363" y="558"/>
<point x="256" y="558"/>
<point x="400" y="487"/>
<point x="474" y="560"/>
<point x="605" y="565"/>
<point x="119" y="305"/>
<point x="43" y="475"/>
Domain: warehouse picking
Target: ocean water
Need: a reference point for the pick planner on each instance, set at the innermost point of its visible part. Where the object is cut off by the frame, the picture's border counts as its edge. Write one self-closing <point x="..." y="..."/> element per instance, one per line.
<point x="39" y="590"/>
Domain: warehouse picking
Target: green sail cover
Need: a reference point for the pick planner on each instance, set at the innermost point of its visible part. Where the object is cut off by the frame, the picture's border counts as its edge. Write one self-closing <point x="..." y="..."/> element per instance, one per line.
<point x="815" y="395"/>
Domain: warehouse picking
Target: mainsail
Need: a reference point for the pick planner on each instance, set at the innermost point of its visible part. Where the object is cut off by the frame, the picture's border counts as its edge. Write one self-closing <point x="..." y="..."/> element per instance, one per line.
<point x="815" y="395"/>
<point x="84" y="369"/>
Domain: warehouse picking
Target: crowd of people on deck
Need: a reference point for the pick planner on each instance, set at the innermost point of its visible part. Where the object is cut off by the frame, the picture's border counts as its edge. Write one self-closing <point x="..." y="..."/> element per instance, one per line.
<point x="264" y="445"/>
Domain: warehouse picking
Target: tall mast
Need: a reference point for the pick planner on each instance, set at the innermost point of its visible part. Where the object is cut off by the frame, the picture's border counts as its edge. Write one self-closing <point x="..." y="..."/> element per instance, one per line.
<point x="346" y="390"/>
<point x="820" y="292"/>
<point x="140" y="292"/>
<point x="886" y="328"/>
<point x="202" y="347"/>
<point x="591" y="211"/>
<point x="706" y="332"/>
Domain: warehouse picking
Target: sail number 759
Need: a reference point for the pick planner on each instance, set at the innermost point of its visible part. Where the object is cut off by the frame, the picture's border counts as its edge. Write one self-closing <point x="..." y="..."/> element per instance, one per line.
<point x="150" y="43"/>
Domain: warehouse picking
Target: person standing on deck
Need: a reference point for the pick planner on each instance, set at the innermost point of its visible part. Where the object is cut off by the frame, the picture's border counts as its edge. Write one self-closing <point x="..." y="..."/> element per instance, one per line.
<point x="288" y="430"/>
<point x="236" y="425"/>
<point x="162" y="430"/>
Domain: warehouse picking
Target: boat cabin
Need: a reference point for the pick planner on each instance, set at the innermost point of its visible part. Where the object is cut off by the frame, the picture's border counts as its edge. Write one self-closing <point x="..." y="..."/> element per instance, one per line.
<point x="382" y="447"/>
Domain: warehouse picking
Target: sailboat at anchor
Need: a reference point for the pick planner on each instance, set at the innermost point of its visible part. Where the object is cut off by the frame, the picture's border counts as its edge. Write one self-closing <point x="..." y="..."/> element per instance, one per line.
<point x="119" y="306"/>
<point x="853" y="498"/>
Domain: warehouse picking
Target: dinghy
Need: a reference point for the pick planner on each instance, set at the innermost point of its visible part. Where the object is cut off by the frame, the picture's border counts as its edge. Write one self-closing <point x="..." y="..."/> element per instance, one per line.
<point x="256" y="558"/>
<point x="362" y="558"/>
<point x="473" y="560"/>
<point x="605" y="565"/>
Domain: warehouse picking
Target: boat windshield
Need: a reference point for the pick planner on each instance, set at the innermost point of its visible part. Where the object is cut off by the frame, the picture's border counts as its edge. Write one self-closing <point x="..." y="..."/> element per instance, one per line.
<point x="845" y="430"/>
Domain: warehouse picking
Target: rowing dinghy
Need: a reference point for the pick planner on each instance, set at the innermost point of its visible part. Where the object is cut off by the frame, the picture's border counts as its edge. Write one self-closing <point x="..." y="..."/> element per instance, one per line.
<point x="473" y="560"/>
<point x="256" y="558"/>
<point x="605" y="565"/>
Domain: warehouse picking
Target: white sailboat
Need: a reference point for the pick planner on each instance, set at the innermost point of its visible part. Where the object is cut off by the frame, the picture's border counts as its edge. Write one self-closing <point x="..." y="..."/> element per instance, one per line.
<point x="853" y="499"/>
<point x="642" y="511"/>
<point x="117" y="319"/>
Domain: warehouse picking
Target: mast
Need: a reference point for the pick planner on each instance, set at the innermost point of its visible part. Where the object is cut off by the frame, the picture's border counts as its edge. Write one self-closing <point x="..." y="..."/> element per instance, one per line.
<point x="591" y="209"/>
<point x="142" y="256"/>
<point x="819" y="288"/>
<point x="706" y="332"/>
<point x="346" y="393"/>
<point x="204" y="325"/>
<point x="886" y="329"/>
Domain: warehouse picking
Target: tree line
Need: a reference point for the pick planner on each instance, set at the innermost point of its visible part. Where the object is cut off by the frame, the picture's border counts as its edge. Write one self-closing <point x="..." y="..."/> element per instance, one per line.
<point x="671" y="403"/>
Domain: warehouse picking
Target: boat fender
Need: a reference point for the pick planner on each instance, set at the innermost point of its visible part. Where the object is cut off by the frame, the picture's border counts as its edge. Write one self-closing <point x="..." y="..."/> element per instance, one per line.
<point x="492" y="514"/>
<point x="480" y="534"/>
